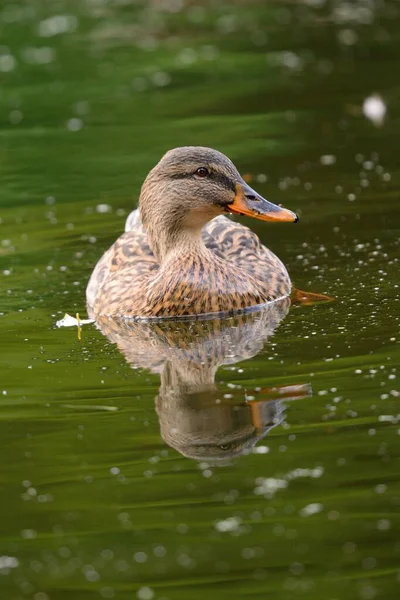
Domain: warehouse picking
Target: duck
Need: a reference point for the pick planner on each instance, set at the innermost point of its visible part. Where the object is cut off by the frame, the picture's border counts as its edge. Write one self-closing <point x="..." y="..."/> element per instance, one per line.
<point x="181" y="255"/>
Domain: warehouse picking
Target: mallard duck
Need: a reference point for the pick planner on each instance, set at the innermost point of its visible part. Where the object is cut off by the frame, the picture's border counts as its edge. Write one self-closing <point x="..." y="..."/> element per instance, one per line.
<point x="180" y="255"/>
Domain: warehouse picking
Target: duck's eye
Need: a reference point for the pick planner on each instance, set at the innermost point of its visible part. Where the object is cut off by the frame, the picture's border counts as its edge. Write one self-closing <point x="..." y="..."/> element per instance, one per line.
<point x="202" y="172"/>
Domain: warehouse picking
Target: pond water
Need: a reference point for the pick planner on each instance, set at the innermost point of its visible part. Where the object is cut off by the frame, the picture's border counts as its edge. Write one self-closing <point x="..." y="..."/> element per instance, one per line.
<point x="250" y="457"/>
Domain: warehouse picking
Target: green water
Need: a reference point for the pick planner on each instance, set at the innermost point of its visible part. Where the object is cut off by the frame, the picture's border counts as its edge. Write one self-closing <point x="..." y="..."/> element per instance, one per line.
<point x="98" y="496"/>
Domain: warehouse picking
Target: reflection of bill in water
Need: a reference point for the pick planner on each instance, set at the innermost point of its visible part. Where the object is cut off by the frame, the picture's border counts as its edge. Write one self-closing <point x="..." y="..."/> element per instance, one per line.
<point x="198" y="418"/>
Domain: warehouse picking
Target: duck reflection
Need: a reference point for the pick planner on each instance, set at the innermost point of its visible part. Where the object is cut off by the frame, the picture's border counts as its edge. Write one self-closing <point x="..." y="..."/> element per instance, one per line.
<point x="199" y="418"/>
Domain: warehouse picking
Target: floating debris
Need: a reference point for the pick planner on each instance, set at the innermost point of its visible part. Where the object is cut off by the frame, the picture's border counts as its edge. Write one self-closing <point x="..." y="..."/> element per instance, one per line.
<point x="69" y="321"/>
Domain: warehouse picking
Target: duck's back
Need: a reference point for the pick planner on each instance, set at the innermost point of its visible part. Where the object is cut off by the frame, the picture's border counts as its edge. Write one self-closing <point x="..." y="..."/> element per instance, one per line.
<point x="130" y="262"/>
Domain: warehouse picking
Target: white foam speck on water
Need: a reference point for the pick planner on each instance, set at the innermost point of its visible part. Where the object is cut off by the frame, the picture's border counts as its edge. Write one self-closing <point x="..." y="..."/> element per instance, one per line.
<point x="327" y="159"/>
<point x="311" y="509"/>
<point x="260" y="450"/>
<point x="7" y="63"/>
<point x="228" y="525"/>
<point x="145" y="593"/>
<point x="374" y="109"/>
<point x="103" y="208"/>
<point x="8" y="562"/>
<point x="268" y="486"/>
<point x="57" y="25"/>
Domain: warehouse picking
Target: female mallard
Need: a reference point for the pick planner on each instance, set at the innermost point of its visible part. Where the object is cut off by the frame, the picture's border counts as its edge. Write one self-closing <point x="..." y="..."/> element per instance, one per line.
<point x="179" y="256"/>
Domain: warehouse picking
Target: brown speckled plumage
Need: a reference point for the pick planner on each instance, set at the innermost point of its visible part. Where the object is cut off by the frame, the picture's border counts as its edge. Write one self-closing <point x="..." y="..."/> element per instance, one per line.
<point x="179" y="255"/>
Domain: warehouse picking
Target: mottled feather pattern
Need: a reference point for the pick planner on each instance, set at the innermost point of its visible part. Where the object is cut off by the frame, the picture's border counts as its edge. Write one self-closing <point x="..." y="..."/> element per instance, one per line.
<point x="209" y="342"/>
<point x="235" y="272"/>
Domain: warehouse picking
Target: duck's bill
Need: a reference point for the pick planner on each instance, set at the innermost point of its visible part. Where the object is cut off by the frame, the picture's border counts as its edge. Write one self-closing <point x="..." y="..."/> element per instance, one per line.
<point x="248" y="202"/>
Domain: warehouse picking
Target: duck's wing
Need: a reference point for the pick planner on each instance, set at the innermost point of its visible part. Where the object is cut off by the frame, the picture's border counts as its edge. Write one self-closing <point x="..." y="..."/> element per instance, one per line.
<point x="237" y="243"/>
<point x="226" y="238"/>
<point x="130" y="256"/>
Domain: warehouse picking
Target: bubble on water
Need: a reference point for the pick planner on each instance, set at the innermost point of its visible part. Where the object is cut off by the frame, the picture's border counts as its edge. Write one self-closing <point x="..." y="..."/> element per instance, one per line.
<point x="39" y="56"/>
<point x="374" y="109"/>
<point x="8" y="562"/>
<point x="7" y="63"/>
<point x="349" y="547"/>
<point x="74" y="124"/>
<point x="209" y="52"/>
<point x="260" y="450"/>
<point x="107" y="554"/>
<point x="41" y="596"/>
<point x="139" y="84"/>
<point x="228" y="525"/>
<point x="182" y="528"/>
<point x="388" y="418"/>
<point x="161" y="79"/>
<point x="145" y="593"/>
<point x="268" y="486"/>
<point x="311" y="509"/>
<point x="327" y="159"/>
<point x="159" y="551"/>
<point x="15" y="117"/>
<point x="292" y="61"/>
<point x="367" y="592"/>
<point x="383" y="525"/>
<point x="57" y="25"/>
<point x="347" y="37"/>
<point x="140" y="557"/>
<point x="247" y="553"/>
<point x="103" y="208"/>
<point x="187" y="56"/>
<point x="28" y="534"/>
<point x="381" y="488"/>
<point x="91" y="574"/>
<point x="227" y="23"/>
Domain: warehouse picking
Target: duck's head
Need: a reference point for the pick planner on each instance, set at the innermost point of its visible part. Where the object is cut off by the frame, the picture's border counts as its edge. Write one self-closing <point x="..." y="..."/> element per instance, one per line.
<point x="192" y="185"/>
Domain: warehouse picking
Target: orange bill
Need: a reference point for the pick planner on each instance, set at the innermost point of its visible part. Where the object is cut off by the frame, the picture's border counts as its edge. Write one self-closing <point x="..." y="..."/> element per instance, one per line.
<point x="248" y="202"/>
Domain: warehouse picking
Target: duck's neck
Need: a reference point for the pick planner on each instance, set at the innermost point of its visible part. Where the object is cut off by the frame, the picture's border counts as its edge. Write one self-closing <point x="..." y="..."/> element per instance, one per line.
<point x="169" y="241"/>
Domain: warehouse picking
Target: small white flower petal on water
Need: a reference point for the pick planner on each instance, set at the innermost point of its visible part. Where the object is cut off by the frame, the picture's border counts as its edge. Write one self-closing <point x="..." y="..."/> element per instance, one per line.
<point x="374" y="109"/>
<point x="69" y="321"/>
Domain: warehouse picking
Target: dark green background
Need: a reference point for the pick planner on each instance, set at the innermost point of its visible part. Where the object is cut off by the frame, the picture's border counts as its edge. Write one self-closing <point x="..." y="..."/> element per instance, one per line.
<point x="276" y="86"/>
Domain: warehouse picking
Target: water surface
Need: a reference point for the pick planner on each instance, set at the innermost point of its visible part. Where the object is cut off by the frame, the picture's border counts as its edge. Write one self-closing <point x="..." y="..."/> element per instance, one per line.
<point x="257" y="457"/>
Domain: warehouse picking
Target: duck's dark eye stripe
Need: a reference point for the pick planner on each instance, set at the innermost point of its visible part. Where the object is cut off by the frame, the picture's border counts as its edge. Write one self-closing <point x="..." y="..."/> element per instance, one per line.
<point x="223" y="181"/>
<point x="219" y="178"/>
